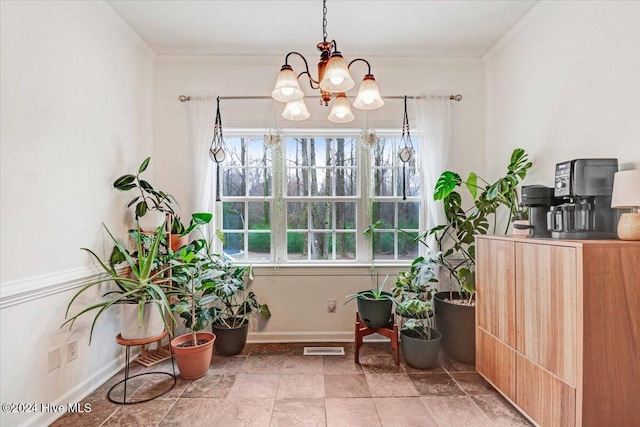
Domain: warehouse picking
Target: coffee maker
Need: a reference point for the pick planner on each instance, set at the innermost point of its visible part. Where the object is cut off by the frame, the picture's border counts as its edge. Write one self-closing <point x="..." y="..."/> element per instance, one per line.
<point x="584" y="187"/>
<point x="538" y="198"/>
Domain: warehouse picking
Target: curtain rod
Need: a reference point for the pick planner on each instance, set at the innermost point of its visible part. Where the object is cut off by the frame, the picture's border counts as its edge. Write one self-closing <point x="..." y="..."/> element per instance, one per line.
<point x="184" y="98"/>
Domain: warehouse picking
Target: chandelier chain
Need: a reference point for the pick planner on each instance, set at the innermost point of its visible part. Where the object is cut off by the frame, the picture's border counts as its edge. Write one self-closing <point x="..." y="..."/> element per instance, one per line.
<point x="324" y="20"/>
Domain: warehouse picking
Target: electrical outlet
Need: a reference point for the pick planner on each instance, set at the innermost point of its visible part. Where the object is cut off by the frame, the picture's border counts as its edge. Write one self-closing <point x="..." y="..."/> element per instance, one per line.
<point x="72" y="350"/>
<point x="54" y="358"/>
<point x="331" y="306"/>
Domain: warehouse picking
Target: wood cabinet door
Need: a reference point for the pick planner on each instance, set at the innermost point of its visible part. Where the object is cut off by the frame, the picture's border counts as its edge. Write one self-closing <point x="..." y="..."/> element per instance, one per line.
<point x="546" y="307"/>
<point x="496" y="362"/>
<point x="495" y="286"/>
<point x="544" y="397"/>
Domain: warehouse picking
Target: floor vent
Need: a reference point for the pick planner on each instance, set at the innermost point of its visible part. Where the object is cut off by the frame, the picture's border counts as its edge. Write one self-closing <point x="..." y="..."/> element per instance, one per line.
<point x="324" y="351"/>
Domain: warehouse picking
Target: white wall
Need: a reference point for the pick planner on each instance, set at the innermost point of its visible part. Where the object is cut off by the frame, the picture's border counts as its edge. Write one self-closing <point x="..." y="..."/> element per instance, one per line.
<point x="565" y="84"/>
<point x="298" y="296"/>
<point x="77" y="106"/>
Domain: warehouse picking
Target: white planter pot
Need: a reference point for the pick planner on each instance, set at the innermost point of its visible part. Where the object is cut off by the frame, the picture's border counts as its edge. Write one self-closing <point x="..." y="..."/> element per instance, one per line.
<point x="151" y="221"/>
<point x="152" y="324"/>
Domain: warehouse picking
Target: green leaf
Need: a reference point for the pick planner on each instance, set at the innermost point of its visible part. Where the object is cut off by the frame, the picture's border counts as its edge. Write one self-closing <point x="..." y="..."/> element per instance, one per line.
<point x="265" y="312"/>
<point x="445" y="184"/>
<point x="141" y="209"/>
<point x="124" y="181"/>
<point x="472" y="184"/>
<point x="202" y="218"/>
<point x="144" y="165"/>
<point x="145" y="185"/>
<point x="133" y="201"/>
<point x="220" y="235"/>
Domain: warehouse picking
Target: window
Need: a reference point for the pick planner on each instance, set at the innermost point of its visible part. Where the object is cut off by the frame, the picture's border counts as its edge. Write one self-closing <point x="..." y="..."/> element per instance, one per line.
<point x="388" y="205"/>
<point x="247" y="187"/>
<point x="321" y="194"/>
<point x="311" y="199"/>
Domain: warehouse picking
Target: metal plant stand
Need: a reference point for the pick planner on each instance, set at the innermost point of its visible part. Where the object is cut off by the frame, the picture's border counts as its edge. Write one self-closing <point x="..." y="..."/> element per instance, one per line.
<point x="128" y="344"/>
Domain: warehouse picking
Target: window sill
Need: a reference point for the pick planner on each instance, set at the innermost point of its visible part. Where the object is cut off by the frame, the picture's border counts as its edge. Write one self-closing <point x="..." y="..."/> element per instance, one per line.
<point x="329" y="269"/>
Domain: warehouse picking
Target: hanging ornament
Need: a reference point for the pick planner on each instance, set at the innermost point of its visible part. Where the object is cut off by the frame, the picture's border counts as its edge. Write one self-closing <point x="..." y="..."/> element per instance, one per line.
<point x="405" y="151"/>
<point x="217" y="151"/>
<point x="273" y="134"/>
<point x="369" y="136"/>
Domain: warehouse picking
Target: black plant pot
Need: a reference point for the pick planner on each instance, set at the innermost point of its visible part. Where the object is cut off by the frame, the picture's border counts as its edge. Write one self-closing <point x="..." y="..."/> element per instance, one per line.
<point x="374" y="313"/>
<point x="230" y="341"/>
<point x="457" y="324"/>
<point x="420" y="353"/>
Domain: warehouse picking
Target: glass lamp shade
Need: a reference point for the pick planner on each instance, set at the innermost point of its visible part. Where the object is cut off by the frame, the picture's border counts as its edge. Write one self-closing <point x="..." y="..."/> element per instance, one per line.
<point x="296" y="110"/>
<point x="287" y="88"/>
<point x="336" y="76"/>
<point x="368" y="95"/>
<point x="626" y="190"/>
<point x="341" y="111"/>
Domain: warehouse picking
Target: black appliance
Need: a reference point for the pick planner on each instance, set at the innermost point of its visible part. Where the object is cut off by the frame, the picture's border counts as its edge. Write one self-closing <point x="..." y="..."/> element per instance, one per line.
<point x="538" y="199"/>
<point x="584" y="187"/>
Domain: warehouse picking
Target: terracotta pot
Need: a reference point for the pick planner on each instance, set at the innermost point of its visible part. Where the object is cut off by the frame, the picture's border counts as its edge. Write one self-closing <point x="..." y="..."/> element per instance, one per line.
<point x="152" y="324"/>
<point x="193" y="362"/>
<point x="177" y="242"/>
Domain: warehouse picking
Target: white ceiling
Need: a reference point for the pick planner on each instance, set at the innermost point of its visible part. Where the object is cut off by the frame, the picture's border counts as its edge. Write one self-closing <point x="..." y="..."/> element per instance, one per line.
<point x="267" y="27"/>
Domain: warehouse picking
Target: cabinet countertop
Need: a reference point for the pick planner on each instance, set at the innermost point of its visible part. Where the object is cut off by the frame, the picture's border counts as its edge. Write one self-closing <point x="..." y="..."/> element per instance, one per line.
<point x="559" y="242"/>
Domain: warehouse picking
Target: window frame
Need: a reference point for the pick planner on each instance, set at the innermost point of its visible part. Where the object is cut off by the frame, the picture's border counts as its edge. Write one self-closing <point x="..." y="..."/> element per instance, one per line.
<point x="363" y="198"/>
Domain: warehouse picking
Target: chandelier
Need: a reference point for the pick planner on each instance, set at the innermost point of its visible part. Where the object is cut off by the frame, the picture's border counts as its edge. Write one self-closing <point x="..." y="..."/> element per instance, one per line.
<point x="333" y="80"/>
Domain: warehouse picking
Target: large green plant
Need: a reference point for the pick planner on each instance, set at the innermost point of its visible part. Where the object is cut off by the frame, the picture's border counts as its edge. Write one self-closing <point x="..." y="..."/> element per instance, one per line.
<point x="141" y="282"/>
<point x="458" y="234"/>
<point x="149" y="198"/>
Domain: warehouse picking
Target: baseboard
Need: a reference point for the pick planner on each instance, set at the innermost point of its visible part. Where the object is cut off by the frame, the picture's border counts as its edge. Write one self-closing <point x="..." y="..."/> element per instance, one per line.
<point x="78" y="393"/>
<point x="301" y="336"/>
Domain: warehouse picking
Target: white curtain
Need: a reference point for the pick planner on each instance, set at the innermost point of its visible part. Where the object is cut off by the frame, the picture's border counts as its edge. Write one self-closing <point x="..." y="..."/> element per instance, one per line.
<point x="202" y="114"/>
<point x="434" y="126"/>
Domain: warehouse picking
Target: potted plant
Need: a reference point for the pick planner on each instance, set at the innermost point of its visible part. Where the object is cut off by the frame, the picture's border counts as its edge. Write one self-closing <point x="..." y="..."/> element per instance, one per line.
<point x="192" y="288"/>
<point x="233" y="308"/>
<point x="455" y="244"/>
<point x="151" y="206"/>
<point x="374" y="305"/>
<point x="226" y="302"/>
<point x="419" y="341"/>
<point x="520" y="221"/>
<point x="138" y="288"/>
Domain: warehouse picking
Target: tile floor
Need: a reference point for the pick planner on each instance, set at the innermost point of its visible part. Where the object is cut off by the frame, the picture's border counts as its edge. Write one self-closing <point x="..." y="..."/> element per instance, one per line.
<point x="275" y="385"/>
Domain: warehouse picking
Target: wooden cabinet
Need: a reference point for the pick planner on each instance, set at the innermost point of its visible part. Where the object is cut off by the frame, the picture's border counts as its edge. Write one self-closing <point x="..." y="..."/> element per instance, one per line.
<point x="558" y="328"/>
